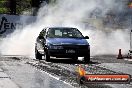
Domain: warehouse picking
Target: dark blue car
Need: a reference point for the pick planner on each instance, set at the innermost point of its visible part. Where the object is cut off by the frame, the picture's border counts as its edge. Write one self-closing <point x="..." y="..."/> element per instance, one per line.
<point x="62" y="42"/>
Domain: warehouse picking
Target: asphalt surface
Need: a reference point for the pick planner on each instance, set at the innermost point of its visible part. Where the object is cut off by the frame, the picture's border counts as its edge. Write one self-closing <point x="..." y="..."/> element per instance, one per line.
<point x="60" y="73"/>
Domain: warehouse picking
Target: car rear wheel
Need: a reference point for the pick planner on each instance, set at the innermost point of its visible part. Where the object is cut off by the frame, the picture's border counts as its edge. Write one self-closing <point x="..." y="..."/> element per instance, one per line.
<point x="38" y="55"/>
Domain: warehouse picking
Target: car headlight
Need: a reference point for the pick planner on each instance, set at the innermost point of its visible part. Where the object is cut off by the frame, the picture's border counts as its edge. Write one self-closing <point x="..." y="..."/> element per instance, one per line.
<point x="55" y="47"/>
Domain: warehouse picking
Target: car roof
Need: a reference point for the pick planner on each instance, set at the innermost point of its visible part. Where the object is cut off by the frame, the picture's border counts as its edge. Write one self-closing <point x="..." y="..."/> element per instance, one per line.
<point x="59" y="27"/>
<point x="47" y="28"/>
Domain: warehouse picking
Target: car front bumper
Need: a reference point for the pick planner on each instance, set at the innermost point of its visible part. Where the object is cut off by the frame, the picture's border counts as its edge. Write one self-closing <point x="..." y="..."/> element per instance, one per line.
<point x="70" y="51"/>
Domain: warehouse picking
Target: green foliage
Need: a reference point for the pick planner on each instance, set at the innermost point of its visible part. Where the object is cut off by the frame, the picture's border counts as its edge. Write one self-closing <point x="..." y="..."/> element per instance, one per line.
<point x="21" y="5"/>
<point x="3" y="7"/>
<point x="4" y="10"/>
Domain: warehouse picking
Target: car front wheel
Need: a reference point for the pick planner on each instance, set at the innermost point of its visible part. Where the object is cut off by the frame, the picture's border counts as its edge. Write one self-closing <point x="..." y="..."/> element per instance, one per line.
<point x="74" y="58"/>
<point x="87" y="58"/>
<point x="38" y="55"/>
<point x="47" y="56"/>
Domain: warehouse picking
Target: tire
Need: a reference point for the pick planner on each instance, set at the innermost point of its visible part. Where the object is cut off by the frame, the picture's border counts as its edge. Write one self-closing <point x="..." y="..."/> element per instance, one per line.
<point x="38" y="55"/>
<point x="87" y="58"/>
<point x="47" y="57"/>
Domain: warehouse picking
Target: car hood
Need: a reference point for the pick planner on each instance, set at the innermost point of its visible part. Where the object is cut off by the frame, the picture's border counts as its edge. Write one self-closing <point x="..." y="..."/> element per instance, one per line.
<point x="66" y="41"/>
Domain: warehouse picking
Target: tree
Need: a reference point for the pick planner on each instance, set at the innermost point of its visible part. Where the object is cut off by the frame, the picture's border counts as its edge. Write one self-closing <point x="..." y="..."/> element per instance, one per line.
<point x="35" y="3"/>
<point x="4" y="6"/>
<point x="13" y="7"/>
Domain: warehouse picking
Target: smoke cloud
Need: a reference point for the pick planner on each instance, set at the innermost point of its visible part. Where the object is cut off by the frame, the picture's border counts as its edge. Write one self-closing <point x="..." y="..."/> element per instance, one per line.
<point x="87" y="15"/>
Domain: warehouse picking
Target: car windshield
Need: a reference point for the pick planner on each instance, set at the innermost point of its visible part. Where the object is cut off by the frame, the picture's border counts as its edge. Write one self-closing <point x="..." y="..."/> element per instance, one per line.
<point x="64" y="33"/>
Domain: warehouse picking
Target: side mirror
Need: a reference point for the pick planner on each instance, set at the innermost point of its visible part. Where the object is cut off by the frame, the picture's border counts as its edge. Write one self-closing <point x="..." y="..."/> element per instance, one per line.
<point x="86" y="37"/>
<point x="40" y="37"/>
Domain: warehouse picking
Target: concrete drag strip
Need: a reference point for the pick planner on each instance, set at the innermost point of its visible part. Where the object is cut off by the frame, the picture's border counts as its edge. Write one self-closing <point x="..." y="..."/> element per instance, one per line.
<point x="65" y="72"/>
<point x="128" y="60"/>
<point x="30" y="73"/>
<point x="118" y="67"/>
<point x="26" y="76"/>
<point x="5" y="81"/>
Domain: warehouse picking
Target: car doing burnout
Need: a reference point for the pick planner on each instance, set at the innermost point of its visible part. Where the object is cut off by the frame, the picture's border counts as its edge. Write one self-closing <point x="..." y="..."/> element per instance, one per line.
<point x="62" y="42"/>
